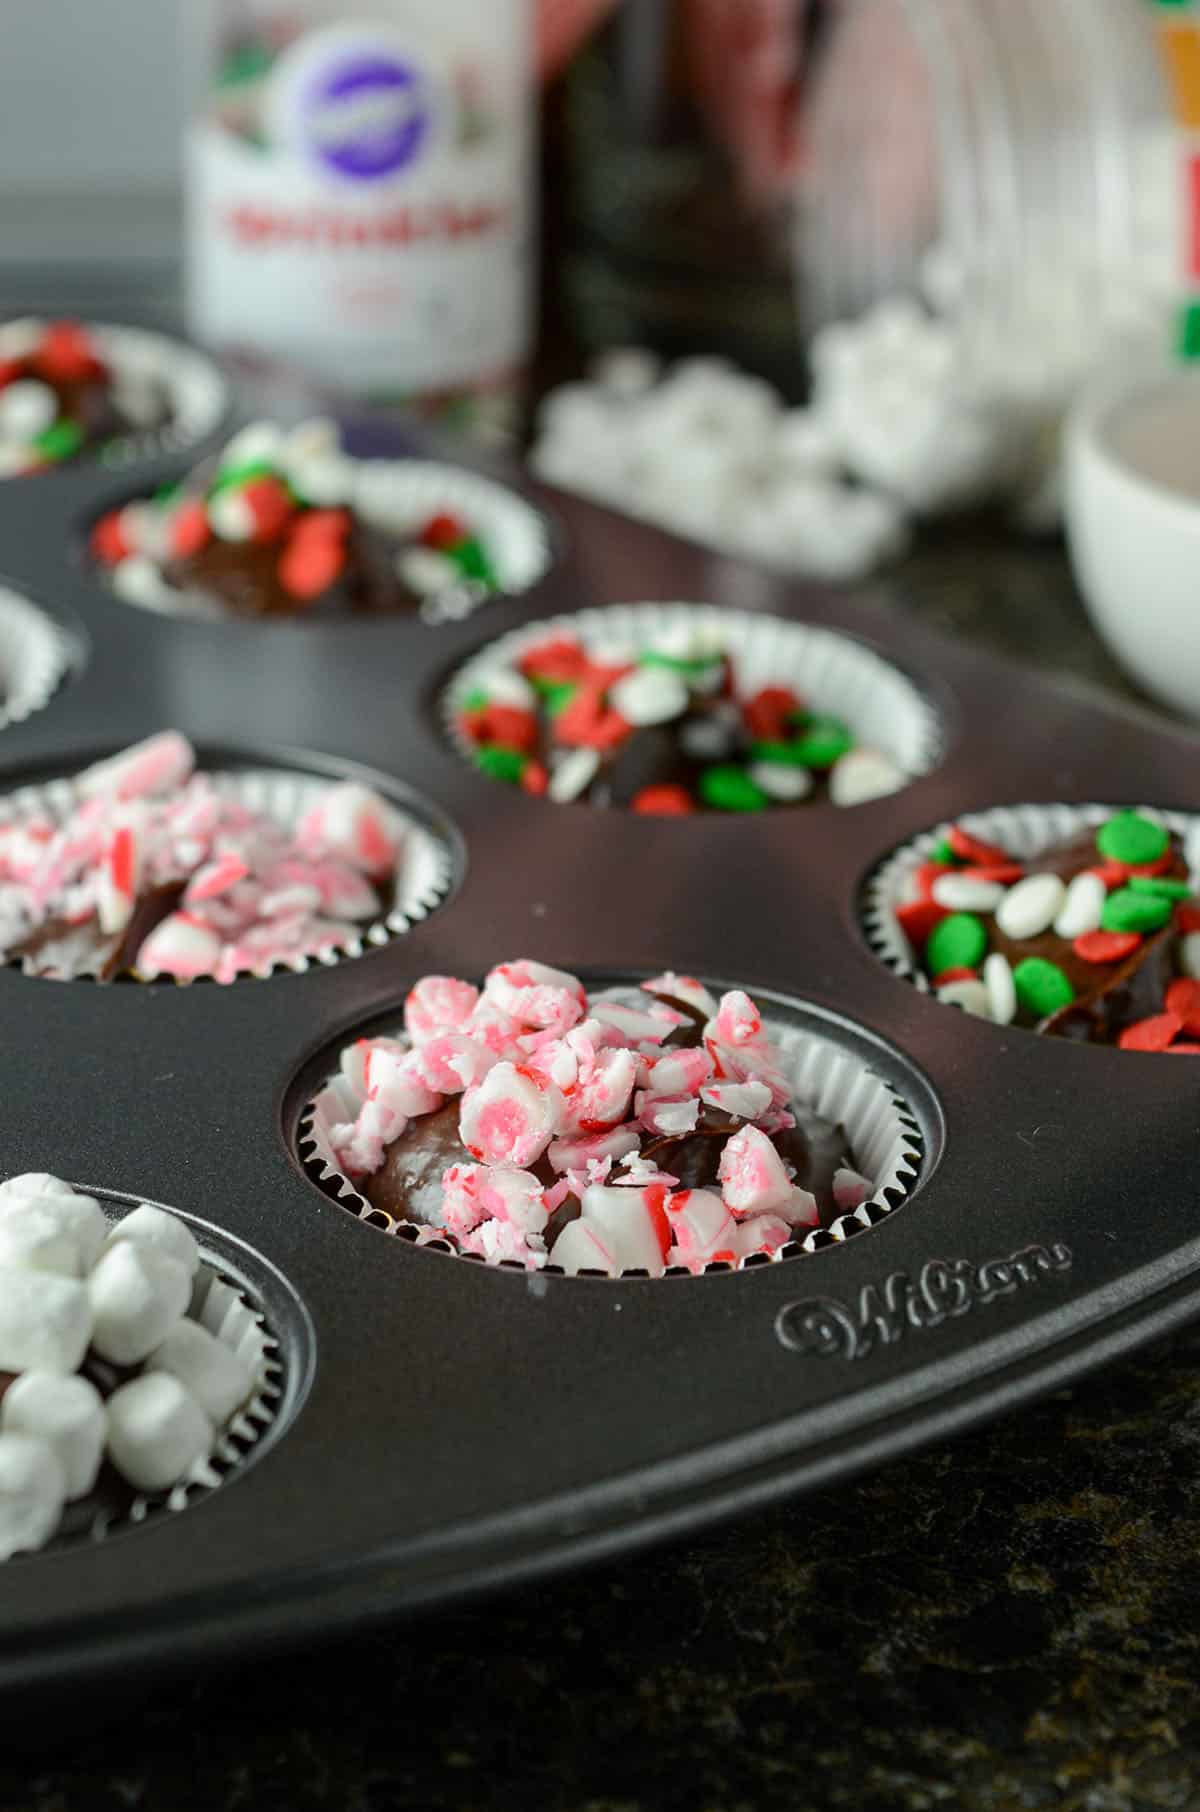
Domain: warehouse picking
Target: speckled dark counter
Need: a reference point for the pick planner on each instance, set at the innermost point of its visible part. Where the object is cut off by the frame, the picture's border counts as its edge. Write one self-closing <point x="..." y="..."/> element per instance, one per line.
<point x="1012" y="1621"/>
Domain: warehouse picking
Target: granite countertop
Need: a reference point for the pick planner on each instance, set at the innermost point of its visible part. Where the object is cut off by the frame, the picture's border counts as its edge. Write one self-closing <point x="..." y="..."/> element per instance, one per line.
<point x="1009" y="1621"/>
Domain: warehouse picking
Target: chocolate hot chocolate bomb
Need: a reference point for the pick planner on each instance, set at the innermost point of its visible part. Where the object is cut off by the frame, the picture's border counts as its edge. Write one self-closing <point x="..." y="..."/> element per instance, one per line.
<point x="1090" y="940"/>
<point x="629" y="1130"/>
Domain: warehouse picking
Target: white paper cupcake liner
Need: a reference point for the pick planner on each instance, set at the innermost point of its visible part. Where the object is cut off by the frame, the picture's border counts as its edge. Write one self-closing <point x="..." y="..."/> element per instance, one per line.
<point x="1025" y="830"/>
<point x="832" y="673"/>
<point x="35" y="656"/>
<point x="199" y="395"/>
<point x="881" y="1131"/>
<point x="421" y="882"/>
<point x="399" y="495"/>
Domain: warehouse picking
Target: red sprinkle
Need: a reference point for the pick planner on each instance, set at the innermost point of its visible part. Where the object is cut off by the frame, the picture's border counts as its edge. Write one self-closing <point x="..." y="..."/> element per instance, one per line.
<point x="917" y="919"/>
<point x="1153" y="1034"/>
<point x="654" y="1195"/>
<point x="962" y="973"/>
<point x="122" y="861"/>
<point x="190" y="529"/>
<point x="270" y="505"/>
<point x="66" y="354"/>
<point x="309" y="568"/>
<point x="443" y="531"/>
<point x="107" y="542"/>
<point x="1004" y="873"/>
<point x="321" y="525"/>
<point x="556" y="660"/>
<point x="1183" y="997"/>
<point x="1106" y="946"/>
<point x="1113" y="874"/>
<point x="1183" y="1050"/>
<point x="664" y="801"/>
<point x="509" y="726"/>
<point x="10" y="371"/>
<point x="972" y="849"/>
<point x="724" y="1257"/>
<point x="534" y="779"/>
<point x="767" y="715"/>
<point x="588" y="723"/>
<point x="1187" y="918"/>
<point x="1159" y="866"/>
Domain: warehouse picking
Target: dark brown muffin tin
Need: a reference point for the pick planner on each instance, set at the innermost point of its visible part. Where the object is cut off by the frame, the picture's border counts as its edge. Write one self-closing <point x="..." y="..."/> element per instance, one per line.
<point x="451" y="1426"/>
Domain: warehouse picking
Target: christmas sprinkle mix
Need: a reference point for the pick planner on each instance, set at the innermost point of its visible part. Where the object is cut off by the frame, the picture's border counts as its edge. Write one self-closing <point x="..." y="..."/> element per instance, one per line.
<point x="1096" y="940"/>
<point x="273" y="529"/>
<point x="59" y="397"/>
<point x="154" y="871"/>
<point x="626" y="1130"/>
<point x="663" y="730"/>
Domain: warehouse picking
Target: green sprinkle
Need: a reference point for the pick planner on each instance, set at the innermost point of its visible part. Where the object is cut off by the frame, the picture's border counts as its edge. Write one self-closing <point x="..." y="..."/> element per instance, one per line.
<point x="231" y="476"/>
<point x="780" y="754"/>
<point x="650" y="657"/>
<point x="472" y="562"/>
<point x="167" y="493"/>
<point x="942" y="852"/>
<point x="1042" y="988"/>
<point x="475" y="700"/>
<point x="730" y="789"/>
<point x="1128" y="837"/>
<point x="825" y="741"/>
<point x="59" y="440"/>
<point x="1188" y="331"/>
<point x="1126" y="910"/>
<point x="500" y="763"/>
<point x="557" y="694"/>
<point x="956" y="942"/>
<point x="1160" y="885"/>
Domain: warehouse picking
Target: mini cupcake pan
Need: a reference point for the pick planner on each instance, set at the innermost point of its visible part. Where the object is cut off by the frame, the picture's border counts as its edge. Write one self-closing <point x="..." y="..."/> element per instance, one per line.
<point x="443" y="1425"/>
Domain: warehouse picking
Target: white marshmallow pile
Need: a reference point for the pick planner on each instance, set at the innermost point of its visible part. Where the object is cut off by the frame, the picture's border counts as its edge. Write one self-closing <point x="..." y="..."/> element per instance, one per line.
<point x="544" y="1071"/>
<point x="72" y="1283"/>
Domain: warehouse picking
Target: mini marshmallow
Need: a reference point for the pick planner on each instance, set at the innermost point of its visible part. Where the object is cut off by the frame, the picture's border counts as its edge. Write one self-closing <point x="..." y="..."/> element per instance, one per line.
<point x="1082" y="907"/>
<point x="32" y="1492"/>
<point x="508" y="1119"/>
<point x="216" y="1375"/>
<point x="35" y="1183"/>
<point x="68" y="1414"/>
<point x="45" y="1322"/>
<point x="157" y="1432"/>
<point x="150" y="1226"/>
<point x="753" y="1179"/>
<point x="79" y="1218"/>
<point x="1031" y="906"/>
<point x="137" y="1294"/>
<point x="34" y="1240"/>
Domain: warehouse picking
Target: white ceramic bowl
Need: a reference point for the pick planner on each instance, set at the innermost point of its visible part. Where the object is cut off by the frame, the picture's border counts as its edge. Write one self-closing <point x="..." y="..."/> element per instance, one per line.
<point x="1132" y="496"/>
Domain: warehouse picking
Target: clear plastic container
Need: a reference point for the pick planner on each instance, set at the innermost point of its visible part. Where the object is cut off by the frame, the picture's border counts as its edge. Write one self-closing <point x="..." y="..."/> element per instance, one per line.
<point x="1014" y="161"/>
<point x="359" y="192"/>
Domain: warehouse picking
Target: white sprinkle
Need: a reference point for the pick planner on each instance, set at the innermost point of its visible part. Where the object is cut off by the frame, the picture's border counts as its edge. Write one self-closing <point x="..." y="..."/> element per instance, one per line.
<point x="26" y="407"/>
<point x="257" y="441"/>
<point x="572" y="775"/>
<point x="312" y="438"/>
<point x="1189" y="954"/>
<point x="15" y="459"/>
<point x="1083" y="906"/>
<point x="426" y="571"/>
<point x="323" y="479"/>
<point x="138" y="580"/>
<point x="707" y="738"/>
<point x="19" y="338"/>
<point x="230" y="516"/>
<point x="1031" y="907"/>
<point x="1001" y="989"/>
<point x="966" y="893"/>
<point x="780" y="781"/>
<point x="505" y="686"/>
<point x="862" y="774"/>
<point x="969" y="994"/>
<point x="650" y="695"/>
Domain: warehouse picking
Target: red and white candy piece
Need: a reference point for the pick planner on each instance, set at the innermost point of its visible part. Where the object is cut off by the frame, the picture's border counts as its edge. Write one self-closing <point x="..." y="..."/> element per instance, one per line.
<point x="744" y="1100"/>
<point x="182" y="946"/>
<point x="475" y="1192"/>
<point x="738" y="1021"/>
<point x="149" y="767"/>
<point x="119" y="879"/>
<point x="685" y="988"/>
<point x="752" y="1176"/>
<point x="452" y="1062"/>
<point x="354" y="823"/>
<point x="508" y="1119"/>
<point x="701" y="1226"/>
<point x="438" y="1003"/>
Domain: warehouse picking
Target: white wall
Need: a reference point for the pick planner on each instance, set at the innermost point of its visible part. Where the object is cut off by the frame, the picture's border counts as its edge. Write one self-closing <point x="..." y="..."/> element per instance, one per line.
<point x="89" y="96"/>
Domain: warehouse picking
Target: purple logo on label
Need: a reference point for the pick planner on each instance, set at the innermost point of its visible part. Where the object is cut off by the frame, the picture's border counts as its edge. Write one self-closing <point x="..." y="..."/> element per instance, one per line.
<point x="368" y="116"/>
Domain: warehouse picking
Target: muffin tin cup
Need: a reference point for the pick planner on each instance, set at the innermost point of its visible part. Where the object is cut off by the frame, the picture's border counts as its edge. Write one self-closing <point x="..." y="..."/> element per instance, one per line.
<point x="1025" y="830"/>
<point x="422" y="880"/>
<point x="36" y="654"/>
<point x="883" y="1137"/>
<point x="199" y="395"/>
<point x="831" y="672"/>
